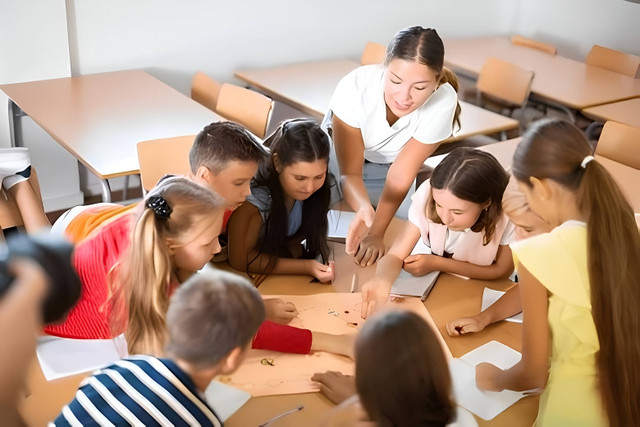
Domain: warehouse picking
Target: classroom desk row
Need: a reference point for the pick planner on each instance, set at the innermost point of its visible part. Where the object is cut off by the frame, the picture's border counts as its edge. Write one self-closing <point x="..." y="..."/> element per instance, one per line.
<point x="308" y="87"/>
<point x="100" y="118"/>
<point x="569" y="84"/>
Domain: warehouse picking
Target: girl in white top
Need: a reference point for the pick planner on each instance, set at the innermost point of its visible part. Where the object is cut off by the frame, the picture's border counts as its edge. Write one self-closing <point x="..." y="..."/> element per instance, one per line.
<point x="458" y="214"/>
<point x="396" y="113"/>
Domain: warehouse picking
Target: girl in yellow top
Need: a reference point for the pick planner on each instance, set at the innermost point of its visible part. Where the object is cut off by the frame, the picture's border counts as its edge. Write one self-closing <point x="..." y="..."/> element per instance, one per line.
<point x="579" y="285"/>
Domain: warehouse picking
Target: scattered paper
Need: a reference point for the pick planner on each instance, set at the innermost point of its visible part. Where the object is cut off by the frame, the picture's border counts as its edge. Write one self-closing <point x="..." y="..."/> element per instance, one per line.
<point x="225" y="400"/>
<point x="485" y="404"/>
<point x="265" y="373"/>
<point x="490" y="296"/>
<point x="62" y="357"/>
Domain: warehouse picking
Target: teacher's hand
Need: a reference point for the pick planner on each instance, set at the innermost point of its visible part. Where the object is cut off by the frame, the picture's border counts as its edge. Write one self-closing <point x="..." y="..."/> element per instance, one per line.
<point x="359" y="229"/>
<point x="371" y="249"/>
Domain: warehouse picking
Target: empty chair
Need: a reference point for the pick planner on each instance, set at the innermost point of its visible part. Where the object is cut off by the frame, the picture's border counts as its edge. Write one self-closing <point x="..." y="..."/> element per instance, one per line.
<point x="247" y="107"/>
<point x="9" y="213"/>
<point x="620" y="143"/>
<point x="205" y="90"/>
<point x="159" y="157"/>
<point x="504" y="85"/>
<point x="618" y="150"/>
<point x="614" y="60"/>
<point x="373" y="53"/>
<point x="535" y="44"/>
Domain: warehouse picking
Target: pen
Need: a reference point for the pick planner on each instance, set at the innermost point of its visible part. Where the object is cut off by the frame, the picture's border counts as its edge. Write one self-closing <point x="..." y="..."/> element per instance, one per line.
<point x="284" y="414"/>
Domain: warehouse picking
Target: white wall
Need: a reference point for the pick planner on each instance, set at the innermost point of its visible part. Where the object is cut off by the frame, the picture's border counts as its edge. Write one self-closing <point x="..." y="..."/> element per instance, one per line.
<point x="33" y="46"/>
<point x="576" y="25"/>
<point x="173" y="39"/>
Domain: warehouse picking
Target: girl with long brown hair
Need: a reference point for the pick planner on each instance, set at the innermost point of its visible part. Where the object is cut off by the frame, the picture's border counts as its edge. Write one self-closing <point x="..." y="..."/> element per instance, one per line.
<point x="579" y="285"/>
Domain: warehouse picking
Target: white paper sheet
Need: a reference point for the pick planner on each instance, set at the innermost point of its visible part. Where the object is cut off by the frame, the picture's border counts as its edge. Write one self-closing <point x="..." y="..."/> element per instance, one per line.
<point x="485" y="404"/>
<point x="61" y="357"/>
<point x="224" y="399"/>
<point x="339" y="224"/>
<point x="490" y="296"/>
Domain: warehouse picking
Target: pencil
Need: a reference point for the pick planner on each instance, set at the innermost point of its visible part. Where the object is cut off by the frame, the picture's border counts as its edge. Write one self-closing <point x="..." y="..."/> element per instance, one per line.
<point x="353" y="282"/>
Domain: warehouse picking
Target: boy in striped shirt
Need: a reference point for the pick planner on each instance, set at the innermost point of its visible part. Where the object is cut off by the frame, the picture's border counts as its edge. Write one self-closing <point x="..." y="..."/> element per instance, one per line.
<point x="211" y="321"/>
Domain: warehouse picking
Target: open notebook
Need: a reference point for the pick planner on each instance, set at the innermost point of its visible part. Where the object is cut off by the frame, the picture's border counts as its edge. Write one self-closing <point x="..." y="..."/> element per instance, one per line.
<point x="339" y="225"/>
<point x="409" y="285"/>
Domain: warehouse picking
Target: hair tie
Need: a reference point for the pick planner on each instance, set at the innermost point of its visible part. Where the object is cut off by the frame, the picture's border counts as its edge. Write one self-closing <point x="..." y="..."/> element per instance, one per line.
<point x="586" y="161"/>
<point x="159" y="206"/>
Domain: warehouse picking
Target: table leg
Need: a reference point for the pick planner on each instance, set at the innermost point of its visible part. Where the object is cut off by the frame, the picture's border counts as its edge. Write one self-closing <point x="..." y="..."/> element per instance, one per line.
<point x="12" y="128"/>
<point x="106" y="191"/>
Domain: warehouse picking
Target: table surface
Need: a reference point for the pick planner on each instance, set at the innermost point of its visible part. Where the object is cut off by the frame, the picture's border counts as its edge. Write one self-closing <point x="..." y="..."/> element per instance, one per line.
<point x="627" y="112"/>
<point x="308" y="87"/>
<point x="99" y="118"/>
<point x="558" y="79"/>
<point x="450" y="298"/>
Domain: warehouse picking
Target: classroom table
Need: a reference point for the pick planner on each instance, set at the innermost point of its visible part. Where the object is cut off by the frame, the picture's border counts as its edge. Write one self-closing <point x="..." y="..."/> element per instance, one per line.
<point x="309" y="86"/>
<point x="566" y="83"/>
<point x="450" y="298"/>
<point x="627" y="112"/>
<point x="99" y="118"/>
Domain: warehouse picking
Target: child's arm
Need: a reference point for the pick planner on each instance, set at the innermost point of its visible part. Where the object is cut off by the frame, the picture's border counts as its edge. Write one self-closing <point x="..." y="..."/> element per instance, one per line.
<point x="377" y="290"/>
<point x="289" y="339"/>
<point x="244" y="230"/>
<point x="419" y="265"/>
<point x="508" y="305"/>
<point x="533" y="369"/>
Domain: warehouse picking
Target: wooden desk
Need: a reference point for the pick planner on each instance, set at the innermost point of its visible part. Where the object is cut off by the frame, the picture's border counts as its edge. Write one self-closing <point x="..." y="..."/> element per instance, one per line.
<point x="100" y="118"/>
<point x="559" y="80"/>
<point x="451" y="297"/>
<point x="309" y="86"/>
<point x="627" y="112"/>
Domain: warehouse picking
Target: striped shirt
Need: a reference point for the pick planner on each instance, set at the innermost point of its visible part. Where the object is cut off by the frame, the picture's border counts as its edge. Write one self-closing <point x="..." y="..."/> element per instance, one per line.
<point x="139" y="391"/>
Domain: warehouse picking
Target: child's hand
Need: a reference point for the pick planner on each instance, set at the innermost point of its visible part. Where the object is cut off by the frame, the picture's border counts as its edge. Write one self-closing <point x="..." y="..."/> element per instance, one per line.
<point x="375" y="294"/>
<point x="335" y="385"/>
<point x="419" y="265"/>
<point x="339" y="344"/>
<point x="324" y="273"/>
<point x="279" y="311"/>
<point x="465" y="325"/>
<point x="486" y="376"/>
<point x="359" y="229"/>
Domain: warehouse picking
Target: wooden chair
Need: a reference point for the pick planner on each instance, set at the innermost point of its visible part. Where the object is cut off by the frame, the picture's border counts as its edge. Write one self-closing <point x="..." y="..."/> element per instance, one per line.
<point x="621" y="143"/>
<point x="618" y="150"/>
<point x="159" y="157"/>
<point x="9" y="213"/>
<point x="614" y="60"/>
<point x="373" y="53"/>
<point x="504" y="85"/>
<point x="205" y="90"/>
<point x="534" y="44"/>
<point x="247" y="107"/>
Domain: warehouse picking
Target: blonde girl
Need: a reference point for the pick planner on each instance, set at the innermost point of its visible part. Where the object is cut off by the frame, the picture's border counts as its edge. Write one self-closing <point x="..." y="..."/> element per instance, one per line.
<point x="579" y="285"/>
<point x="527" y="224"/>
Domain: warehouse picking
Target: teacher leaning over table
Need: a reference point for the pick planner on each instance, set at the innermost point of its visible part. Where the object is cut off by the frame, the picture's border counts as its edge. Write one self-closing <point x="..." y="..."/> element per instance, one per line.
<point x="385" y="121"/>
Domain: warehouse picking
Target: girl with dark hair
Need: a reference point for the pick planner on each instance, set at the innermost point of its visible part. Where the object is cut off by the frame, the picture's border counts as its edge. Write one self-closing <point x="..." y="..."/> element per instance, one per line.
<point x="458" y="214"/>
<point x="579" y="286"/>
<point x="385" y="120"/>
<point x="282" y="228"/>
<point x="411" y="387"/>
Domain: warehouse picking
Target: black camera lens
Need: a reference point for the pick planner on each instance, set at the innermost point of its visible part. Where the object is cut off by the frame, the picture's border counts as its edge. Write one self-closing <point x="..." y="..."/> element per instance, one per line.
<point x="54" y="256"/>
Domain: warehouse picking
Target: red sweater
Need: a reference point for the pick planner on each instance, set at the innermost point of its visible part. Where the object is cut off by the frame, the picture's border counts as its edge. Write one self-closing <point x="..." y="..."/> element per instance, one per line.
<point x="89" y="319"/>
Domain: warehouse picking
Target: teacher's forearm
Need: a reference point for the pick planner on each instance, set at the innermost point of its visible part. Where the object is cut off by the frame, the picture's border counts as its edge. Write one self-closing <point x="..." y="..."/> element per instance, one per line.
<point x="390" y="200"/>
<point x="355" y="192"/>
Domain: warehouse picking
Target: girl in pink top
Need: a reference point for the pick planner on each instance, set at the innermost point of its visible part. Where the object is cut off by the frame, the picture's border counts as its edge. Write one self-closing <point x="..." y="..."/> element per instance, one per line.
<point x="458" y="214"/>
